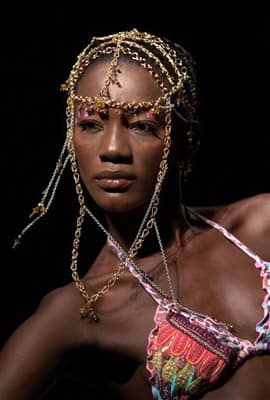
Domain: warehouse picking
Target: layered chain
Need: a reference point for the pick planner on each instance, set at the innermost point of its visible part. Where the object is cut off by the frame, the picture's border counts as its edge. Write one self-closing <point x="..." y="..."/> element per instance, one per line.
<point x="173" y="78"/>
<point x="87" y="309"/>
<point x="100" y="103"/>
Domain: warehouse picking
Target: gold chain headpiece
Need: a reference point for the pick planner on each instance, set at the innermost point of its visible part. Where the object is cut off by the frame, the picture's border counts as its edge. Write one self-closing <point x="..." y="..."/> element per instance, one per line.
<point x="170" y="67"/>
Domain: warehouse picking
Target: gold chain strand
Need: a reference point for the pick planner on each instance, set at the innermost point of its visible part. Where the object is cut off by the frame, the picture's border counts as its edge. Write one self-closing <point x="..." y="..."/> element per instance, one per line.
<point x="124" y="42"/>
<point x="179" y="79"/>
<point x="87" y="310"/>
<point x="44" y="204"/>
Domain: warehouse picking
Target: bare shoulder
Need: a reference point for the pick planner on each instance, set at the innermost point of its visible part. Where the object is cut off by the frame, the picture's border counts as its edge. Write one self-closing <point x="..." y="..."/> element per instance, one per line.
<point x="253" y="211"/>
<point x="62" y="308"/>
<point x="249" y="220"/>
<point x="64" y="298"/>
<point x="53" y="322"/>
<point x="250" y="210"/>
<point x="40" y="343"/>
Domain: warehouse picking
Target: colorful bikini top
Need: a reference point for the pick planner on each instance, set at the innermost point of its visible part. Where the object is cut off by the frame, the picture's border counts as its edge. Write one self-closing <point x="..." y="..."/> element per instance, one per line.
<point x="190" y="353"/>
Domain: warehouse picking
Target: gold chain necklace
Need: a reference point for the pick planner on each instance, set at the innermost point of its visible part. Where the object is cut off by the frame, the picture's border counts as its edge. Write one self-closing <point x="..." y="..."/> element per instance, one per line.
<point x="148" y="221"/>
<point x="87" y="309"/>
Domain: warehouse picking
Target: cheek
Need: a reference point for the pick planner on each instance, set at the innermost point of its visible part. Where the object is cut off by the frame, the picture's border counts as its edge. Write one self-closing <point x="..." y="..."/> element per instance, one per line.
<point x="151" y="160"/>
<point x="82" y="147"/>
<point x="149" y="168"/>
<point x="84" y="157"/>
<point x="81" y="152"/>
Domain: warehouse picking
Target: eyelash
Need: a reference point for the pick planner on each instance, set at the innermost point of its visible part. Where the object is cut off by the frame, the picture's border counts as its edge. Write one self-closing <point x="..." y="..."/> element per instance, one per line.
<point x="145" y="127"/>
<point x="142" y="127"/>
<point x="89" y="126"/>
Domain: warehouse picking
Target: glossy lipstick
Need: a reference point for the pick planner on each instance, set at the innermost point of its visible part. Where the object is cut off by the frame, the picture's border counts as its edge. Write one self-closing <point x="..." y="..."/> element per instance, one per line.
<point x="114" y="181"/>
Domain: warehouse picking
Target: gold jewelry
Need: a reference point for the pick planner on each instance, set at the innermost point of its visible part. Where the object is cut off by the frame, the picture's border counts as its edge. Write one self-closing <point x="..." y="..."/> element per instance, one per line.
<point x="136" y="45"/>
<point x="102" y="101"/>
<point x="171" y="67"/>
<point x="87" y="310"/>
<point x="147" y="223"/>
<point x="47" y="195"/>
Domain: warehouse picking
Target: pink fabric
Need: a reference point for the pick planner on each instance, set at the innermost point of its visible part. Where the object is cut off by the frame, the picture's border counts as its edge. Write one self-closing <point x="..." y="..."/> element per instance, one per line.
<point x="156" y="353"/>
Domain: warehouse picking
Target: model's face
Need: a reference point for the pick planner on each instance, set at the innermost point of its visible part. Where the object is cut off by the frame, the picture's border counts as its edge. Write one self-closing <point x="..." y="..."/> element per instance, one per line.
<point x="119" y="154"/>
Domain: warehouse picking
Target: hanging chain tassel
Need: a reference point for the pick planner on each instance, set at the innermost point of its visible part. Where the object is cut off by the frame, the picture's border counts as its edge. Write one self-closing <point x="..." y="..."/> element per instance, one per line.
<point x="47" y="195"/>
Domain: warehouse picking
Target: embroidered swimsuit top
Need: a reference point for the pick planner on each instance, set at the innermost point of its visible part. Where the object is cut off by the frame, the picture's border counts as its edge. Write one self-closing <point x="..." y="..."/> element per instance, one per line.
<point x="190" y="353"/>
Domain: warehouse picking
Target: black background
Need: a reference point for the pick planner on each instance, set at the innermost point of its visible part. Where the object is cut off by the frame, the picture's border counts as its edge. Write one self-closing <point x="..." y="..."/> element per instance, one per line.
<point x="232" y="51"/>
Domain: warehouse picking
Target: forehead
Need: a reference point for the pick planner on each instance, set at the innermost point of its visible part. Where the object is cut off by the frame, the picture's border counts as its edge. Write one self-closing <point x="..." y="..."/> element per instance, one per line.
<point x="136" y="83"/>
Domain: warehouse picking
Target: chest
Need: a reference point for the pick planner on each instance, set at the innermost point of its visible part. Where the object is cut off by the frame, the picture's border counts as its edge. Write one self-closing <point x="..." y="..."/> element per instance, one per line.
<point x="224" y="283"/>
<point x="218" y="280"/>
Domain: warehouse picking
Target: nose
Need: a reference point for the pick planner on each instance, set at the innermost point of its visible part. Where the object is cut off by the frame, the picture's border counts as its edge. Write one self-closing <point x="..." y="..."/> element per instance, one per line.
<point x="115" y="145"/>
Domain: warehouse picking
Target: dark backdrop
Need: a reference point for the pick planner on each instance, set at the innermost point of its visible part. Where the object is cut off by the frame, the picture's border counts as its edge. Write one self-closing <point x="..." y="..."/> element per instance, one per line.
<point x="231" y="48"/>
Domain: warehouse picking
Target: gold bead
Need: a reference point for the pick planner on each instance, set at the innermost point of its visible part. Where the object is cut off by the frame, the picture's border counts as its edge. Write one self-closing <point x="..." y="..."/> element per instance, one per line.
<point x="63" y="87"/>
<point x="39" y="209"/>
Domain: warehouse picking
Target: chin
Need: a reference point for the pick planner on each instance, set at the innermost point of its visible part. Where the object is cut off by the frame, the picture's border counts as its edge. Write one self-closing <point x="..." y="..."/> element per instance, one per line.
<point x="119" y="203"/>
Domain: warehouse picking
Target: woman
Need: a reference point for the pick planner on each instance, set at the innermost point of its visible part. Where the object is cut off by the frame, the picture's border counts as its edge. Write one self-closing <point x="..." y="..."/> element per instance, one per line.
<point x="173" y="306"/>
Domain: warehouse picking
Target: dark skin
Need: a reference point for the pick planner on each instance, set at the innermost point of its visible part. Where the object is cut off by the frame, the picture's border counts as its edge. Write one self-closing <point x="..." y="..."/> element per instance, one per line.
<point x="209" y="273"/>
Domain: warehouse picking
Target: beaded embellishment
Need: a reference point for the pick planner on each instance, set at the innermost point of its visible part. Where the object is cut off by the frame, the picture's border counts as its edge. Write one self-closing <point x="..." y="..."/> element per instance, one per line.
<point x="185" y="359"/>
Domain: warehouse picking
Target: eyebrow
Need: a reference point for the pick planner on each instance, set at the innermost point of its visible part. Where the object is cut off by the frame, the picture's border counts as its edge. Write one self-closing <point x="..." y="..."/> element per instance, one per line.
<point x="92" y="112"/>
<point x="124" y="115"/>
<point x="129" y="114"/>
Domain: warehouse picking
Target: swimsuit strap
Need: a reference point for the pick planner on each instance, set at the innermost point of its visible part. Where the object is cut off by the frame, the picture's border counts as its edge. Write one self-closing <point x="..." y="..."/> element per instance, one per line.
<point x="231" y="237"/>
<point x="262" y="342"/>
<point x="150" y="289"/>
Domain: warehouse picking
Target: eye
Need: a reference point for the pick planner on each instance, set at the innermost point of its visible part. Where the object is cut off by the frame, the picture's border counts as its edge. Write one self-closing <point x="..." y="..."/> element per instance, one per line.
<point x="144" y="128"/>
<point x="90" y="126"/>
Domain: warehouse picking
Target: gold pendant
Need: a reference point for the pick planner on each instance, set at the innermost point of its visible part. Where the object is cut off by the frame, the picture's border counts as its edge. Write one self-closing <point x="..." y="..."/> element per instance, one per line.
<point x="88" y="312"/>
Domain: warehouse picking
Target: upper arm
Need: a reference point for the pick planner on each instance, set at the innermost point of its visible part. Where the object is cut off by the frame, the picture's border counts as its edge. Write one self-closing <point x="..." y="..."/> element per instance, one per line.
<point x="31" y="355"/>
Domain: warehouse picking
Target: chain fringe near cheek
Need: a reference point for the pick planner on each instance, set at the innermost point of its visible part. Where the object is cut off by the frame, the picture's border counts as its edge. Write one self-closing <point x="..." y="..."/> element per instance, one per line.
<point x="148" y="221"/>
<point x="173" y="78"/>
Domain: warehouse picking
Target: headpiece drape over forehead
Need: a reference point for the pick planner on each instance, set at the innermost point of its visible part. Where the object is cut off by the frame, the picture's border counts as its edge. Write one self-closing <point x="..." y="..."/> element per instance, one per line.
<point x="168" y="64"/>
<point x="171" y="67"/>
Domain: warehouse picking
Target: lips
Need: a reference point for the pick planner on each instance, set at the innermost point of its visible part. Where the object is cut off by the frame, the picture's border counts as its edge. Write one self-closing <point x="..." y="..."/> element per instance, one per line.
<point x="114" y="181"/>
